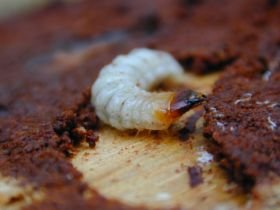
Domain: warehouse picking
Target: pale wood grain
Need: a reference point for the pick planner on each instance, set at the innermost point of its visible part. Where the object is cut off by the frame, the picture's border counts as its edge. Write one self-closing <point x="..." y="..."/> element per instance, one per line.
<point x="14" y="196"/>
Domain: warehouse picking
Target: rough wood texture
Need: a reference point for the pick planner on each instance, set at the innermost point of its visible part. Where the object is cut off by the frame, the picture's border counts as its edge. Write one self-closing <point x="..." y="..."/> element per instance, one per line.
<point x="152" y="169"/>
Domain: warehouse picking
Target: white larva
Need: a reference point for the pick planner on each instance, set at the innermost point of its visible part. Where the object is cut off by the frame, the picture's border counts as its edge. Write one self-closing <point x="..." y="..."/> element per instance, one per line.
<point x="120" y="93"/>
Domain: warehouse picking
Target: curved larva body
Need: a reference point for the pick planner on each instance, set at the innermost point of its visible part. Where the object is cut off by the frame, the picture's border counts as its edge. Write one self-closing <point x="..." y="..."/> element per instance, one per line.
<point x="120" y="93"/>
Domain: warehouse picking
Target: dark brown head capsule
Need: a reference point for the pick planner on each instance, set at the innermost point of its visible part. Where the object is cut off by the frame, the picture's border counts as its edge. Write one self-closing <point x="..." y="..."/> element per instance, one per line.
<point x="184" y="100"/>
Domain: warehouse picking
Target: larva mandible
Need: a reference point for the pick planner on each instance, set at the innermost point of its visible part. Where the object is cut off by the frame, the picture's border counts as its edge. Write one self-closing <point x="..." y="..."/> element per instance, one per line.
<point x="120" y="93"/>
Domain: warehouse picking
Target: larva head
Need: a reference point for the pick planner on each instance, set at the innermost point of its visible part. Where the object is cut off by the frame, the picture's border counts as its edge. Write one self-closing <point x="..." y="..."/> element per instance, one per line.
<point x="180" y="103"/>
<point x="183" y="101"/>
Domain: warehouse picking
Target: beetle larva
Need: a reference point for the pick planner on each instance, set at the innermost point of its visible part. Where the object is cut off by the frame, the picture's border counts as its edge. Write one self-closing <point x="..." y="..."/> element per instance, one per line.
<point x="121" y="97"/>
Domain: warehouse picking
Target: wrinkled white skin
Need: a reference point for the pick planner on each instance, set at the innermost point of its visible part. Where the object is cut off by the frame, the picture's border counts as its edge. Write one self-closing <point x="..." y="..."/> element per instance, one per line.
<point x="120" y="93"/>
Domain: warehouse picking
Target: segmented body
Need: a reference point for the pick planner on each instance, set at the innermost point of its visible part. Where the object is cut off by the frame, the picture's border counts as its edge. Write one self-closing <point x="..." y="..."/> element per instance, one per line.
<point x="120" y="93"/>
